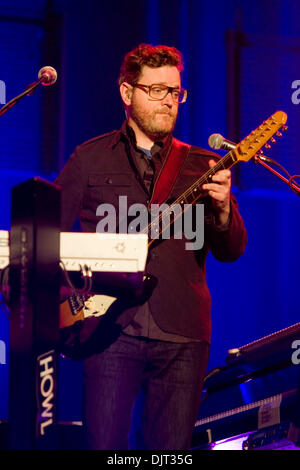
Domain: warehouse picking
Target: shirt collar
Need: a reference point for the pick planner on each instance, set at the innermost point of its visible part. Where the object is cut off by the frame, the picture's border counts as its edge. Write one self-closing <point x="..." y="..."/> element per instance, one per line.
<point x="126" y="132"/>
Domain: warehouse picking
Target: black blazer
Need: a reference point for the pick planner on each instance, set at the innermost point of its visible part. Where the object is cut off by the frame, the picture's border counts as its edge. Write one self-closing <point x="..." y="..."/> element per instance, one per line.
<point x="101" y="170"/>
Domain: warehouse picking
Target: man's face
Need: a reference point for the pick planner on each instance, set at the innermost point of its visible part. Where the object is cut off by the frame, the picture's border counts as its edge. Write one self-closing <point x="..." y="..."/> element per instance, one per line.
<point x="154" y="118"/>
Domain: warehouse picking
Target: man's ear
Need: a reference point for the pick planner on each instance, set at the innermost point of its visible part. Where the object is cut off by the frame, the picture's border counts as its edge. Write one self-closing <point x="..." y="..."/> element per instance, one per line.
<point x="126" y="93"/>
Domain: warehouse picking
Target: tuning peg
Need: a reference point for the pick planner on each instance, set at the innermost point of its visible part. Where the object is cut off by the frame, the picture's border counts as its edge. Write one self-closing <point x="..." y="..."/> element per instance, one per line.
<point x="267" y="146"/>
<point x="279" y="134"/>
<point x="273" y="140"/>
<point x="284" y="128"/>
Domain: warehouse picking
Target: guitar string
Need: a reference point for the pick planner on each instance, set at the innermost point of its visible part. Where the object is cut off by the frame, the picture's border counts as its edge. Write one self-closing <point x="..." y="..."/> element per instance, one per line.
<point x="188" y="192"/>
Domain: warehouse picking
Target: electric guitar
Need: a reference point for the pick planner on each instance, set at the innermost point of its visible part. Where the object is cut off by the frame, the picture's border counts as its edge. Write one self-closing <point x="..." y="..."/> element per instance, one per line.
<point x="77" y="308"/>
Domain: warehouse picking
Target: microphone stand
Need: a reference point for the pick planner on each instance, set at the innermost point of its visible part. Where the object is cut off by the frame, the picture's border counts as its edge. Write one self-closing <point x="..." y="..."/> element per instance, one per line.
<point x="30" y="89"/>
<point x="261" y="159"/>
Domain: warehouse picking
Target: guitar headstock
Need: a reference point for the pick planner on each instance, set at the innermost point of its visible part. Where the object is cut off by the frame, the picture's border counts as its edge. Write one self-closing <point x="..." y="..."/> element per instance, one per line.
<point x="251" y="144"/>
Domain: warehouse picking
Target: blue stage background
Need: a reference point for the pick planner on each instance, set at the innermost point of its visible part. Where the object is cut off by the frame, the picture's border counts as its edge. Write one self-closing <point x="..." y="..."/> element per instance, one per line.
<point x="259" y="293"/>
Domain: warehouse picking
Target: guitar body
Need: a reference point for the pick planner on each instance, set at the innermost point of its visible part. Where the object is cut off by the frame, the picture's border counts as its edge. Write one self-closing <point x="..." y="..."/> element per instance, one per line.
<point x="77" y="308"/>
<point x="88" y="322"/>
<point x="84" y="333"/>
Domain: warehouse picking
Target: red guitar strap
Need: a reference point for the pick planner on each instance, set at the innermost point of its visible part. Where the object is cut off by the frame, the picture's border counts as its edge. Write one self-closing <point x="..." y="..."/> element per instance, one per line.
<point x="170" y="171"/>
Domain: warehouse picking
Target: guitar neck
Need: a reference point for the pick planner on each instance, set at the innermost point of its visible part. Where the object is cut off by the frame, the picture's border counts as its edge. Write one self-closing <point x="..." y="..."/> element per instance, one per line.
<point x="244" y="151"/>
<point x="192" y="194"/>
<point x="163" y="221"/>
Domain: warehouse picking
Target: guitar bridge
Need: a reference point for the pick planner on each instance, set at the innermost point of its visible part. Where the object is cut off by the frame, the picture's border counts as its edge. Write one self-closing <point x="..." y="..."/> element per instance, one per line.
<point x="76" y="303"/>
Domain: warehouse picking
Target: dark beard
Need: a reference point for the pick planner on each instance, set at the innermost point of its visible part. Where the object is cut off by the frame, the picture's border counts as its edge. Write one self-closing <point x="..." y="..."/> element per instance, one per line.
<point x="148" y="129"/>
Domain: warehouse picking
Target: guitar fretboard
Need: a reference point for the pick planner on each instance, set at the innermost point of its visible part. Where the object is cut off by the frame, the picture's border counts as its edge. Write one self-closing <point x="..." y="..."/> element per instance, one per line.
<point x="188" y="198"/>
<point x="244" y="151"/>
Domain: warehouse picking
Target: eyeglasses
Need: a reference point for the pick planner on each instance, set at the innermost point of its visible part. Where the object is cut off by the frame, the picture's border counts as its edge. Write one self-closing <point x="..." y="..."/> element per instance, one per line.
<point x="159" y="92"/>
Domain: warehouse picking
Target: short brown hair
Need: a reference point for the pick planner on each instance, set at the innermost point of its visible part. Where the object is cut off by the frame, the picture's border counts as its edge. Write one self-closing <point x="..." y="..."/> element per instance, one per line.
<point x="152" y="56"/>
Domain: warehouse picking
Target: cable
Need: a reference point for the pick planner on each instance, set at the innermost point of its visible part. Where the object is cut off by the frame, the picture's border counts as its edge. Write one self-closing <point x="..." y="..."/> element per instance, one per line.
<point x="260" y="158"/>
<point x="4" y="308"/>
<point x="86" y="274"/>
<point x="4" y="289"/>
<point x="293" y="184"/>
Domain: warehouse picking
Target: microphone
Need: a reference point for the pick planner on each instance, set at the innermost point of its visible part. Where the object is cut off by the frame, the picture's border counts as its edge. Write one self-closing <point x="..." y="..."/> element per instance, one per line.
<point x="47" y="75"/>
<point x="217" y="141"/>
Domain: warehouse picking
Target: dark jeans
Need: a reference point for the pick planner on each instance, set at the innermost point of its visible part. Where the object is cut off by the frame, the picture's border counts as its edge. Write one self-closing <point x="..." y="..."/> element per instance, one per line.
<point x="170" y="376"/>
